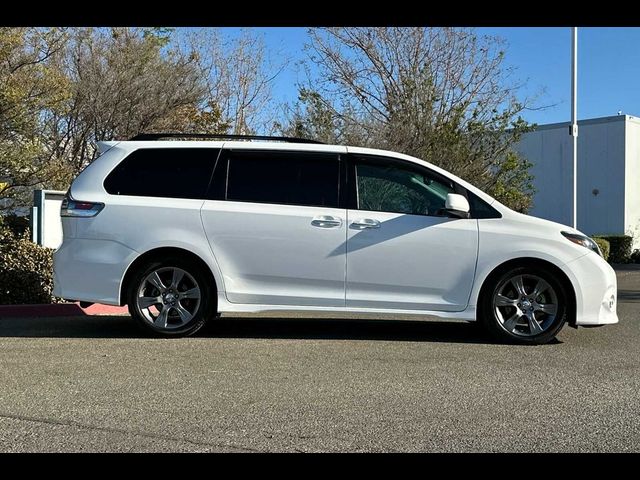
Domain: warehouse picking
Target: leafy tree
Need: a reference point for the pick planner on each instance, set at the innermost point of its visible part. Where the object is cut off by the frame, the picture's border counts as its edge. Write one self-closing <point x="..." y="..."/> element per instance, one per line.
<point x="63" y="90"/>
<point x="29" y="86"/>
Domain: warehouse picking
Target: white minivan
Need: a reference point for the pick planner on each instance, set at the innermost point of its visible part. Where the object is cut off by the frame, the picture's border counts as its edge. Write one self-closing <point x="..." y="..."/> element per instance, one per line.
<point x="182" y="231"/>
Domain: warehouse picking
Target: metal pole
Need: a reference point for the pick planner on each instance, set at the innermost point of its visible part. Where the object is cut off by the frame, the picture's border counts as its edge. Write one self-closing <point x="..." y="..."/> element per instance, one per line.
<point x="574" y="121"/>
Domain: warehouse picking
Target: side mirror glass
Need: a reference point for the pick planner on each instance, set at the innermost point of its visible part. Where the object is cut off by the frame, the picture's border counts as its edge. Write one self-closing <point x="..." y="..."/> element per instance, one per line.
<point x="457" y="206"/>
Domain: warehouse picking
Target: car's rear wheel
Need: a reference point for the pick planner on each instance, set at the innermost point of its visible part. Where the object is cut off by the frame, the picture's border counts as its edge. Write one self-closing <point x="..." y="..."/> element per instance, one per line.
<point x="172" y="297"/>
<point x="526" y="304"/>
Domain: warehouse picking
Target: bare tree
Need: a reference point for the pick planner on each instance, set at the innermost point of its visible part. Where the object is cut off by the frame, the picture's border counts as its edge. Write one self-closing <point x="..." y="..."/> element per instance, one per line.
<point x="123" y="82"/>
<point x="240" y="75"/>
<point x="441" y="94"/>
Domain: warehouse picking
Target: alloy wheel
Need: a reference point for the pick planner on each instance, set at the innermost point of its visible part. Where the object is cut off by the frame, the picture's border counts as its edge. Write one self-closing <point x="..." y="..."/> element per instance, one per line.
<point x="168" y="298"/>
<point x="525" y="305"/>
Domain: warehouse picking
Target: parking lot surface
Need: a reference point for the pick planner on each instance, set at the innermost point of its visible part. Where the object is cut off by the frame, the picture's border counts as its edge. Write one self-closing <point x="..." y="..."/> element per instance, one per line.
<point x="242" y="385"/>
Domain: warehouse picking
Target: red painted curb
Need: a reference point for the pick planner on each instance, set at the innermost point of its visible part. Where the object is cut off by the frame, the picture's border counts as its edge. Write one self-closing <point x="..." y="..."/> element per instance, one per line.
<point x="59" y="310"/>
<point x="100" y="309"/>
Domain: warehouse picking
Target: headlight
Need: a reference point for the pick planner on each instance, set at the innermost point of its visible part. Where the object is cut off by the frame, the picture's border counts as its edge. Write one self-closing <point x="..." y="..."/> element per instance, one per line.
<point x="582" y="240"/>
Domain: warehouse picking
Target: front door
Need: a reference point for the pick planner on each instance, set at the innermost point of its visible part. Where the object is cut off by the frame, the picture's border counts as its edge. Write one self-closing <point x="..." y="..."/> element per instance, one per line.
<point x="403" y="252"/>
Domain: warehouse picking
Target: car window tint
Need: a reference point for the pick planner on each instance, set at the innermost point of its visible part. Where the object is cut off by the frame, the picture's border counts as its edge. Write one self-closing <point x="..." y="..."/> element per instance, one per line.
<point x="163" y="172"/>
<point x="289" y="178"/>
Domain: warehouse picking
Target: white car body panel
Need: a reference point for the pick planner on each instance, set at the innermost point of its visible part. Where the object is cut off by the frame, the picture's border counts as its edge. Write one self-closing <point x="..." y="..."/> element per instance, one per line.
<point x="411" y="262"/>
<point x="272" y="254"/>
<point x="137" y="224"/>
<point x="228" y="309"/>
<point x="269" y="258"/>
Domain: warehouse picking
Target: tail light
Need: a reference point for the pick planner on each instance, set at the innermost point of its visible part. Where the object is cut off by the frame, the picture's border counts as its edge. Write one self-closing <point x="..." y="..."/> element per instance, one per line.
<point x="75" y="208"/>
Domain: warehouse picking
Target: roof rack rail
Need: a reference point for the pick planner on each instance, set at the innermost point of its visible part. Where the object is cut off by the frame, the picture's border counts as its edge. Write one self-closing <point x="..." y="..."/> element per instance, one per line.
<point x="160" y="136"/>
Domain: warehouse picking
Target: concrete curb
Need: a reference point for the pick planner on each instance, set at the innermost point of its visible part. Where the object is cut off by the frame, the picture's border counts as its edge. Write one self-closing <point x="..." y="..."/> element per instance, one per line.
<point x="59" y="310"/>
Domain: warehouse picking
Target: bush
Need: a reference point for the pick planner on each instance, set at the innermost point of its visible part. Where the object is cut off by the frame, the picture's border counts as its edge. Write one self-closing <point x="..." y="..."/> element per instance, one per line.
<point x="619" y="247"/>
<point x="604" y="247"/>
<point x="635" y="256"/>
<point x="16" y="224"/>
<point x="26" y="270"/>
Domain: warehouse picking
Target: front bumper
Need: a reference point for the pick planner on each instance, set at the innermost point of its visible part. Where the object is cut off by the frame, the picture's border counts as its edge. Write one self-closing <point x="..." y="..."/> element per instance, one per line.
<point x="596" y="289"/>
<point x="90" y="270"/>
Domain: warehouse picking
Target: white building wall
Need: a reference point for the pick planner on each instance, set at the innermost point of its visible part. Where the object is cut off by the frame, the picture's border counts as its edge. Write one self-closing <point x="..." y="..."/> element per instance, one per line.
<point x="601" y="166"/>
<point x="632" y="180"/>
<point x="549" y="150"/>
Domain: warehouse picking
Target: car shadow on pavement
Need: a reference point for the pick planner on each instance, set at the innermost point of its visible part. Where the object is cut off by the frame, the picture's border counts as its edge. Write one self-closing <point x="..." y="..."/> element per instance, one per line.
<point x="349" y="329"/>
<point x="86" y="326"/>
<point x="628" y="296"/>
<point x="256" y="328"/>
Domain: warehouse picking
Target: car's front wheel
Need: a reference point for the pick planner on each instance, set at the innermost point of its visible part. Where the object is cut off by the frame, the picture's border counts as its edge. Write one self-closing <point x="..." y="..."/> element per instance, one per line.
<point x="172" y="297"/>
<point x="526" y="304"/>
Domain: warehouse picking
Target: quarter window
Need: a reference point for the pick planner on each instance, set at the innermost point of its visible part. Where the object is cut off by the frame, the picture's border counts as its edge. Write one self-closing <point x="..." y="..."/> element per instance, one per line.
<point x="163" y="172"/>
<point x="288" y="178"/>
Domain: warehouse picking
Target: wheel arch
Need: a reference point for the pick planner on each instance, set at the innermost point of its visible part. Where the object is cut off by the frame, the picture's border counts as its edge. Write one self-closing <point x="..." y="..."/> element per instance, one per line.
<point x="527" y="261"/>
<point x="158" y="253"/>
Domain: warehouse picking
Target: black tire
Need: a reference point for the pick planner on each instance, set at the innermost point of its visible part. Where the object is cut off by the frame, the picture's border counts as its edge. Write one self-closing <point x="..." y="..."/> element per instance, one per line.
<point x="202" y="310"/>
<point x="522" y="333"/>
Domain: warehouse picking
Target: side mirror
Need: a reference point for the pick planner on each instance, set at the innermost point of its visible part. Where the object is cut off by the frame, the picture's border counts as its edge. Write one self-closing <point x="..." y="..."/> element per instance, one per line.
<point x="457" y="206"/>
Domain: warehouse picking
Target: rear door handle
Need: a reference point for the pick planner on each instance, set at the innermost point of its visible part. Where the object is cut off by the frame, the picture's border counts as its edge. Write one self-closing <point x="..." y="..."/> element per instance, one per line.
<point x="363" y="223"/>
<point x="326" y="221"/>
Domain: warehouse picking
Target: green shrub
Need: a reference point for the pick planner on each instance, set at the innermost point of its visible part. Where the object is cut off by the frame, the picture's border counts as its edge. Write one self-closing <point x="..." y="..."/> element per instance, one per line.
<point x="26" y="270"/>
<point x="604" y="246"/>
<point x="619" y="247"/>
<point x="635" y="256"/>
<point x="16" y="224"/>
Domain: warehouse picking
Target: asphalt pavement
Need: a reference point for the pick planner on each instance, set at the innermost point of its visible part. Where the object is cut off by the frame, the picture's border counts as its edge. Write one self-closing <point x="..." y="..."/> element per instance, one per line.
<point x="280" y="385"/>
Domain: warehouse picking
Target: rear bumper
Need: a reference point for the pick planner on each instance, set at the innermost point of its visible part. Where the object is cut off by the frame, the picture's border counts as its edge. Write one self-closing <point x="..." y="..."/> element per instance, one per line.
<point x="596" y="289"/>
<point x="90" y="270"/>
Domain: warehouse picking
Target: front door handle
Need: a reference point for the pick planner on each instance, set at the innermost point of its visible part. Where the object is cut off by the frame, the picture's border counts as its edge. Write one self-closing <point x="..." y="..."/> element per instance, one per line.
<point x="363" y="223"/>
<point x="326" y="221"/>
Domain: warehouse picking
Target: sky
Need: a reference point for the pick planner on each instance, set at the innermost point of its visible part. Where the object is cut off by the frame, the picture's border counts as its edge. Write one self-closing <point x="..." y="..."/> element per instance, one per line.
<point x="608" y="67"/>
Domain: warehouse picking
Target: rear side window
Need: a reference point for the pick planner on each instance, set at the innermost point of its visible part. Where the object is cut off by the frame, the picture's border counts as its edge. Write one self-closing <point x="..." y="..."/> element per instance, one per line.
<point x="289" y="178"/>
<point x="164" y="172"/>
